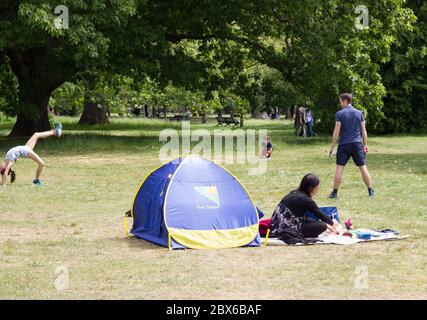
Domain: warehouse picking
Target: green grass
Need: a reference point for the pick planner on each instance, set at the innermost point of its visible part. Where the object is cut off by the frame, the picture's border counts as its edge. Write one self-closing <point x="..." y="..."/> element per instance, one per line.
<point x="93" y="172"/>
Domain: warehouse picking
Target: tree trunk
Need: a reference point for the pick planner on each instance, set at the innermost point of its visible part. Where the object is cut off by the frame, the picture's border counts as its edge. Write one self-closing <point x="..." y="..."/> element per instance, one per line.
<point x="241" y="120"/>
<point x="256" y="111"/>
<point x="288" y="114"/>
<point x="94" y="111"/>
<point x="38" y="76"/>
<point x="93" y="114"/>
<point x="33" y="113"/>
<point x="256" y="107"/>
<point x="204" y="118"/>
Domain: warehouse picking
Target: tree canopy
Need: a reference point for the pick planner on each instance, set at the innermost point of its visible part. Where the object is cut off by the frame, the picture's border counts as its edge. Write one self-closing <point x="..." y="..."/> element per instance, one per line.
<point x="263" y="53"/>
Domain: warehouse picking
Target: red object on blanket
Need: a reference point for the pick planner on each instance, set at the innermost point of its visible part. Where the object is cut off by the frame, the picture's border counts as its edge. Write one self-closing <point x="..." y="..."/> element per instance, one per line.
<point x="264" y="225"/>
<point x="348" y="224"/>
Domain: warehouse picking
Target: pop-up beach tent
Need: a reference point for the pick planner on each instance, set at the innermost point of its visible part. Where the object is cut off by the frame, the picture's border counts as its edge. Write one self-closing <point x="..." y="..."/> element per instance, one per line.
<point x="194" y="203"/>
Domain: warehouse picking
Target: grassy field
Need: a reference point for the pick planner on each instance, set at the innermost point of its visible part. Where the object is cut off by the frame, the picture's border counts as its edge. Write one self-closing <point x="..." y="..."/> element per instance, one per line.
<point x="75" y="220"/>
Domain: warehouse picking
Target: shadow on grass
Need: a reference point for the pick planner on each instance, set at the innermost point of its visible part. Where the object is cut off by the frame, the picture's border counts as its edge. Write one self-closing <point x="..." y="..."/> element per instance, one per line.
<point x="117" y="136"/>
<point x="125" y="125"/>
<point x="139" y="244"/>
<point x="415" y="162"/>
<point x="295" y="140"/>
<point x="94" y="141"/>
<point x="87" y="143"/>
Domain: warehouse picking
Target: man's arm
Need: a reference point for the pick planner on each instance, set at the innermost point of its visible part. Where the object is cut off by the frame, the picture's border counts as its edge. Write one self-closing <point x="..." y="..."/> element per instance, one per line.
<point x="364" y="136"/>
<point x="6" y="173"/>
<point x="335" y="135"/>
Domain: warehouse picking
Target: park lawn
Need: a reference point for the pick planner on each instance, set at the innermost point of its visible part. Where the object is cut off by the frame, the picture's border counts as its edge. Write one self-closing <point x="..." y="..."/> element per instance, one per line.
<point x="75" y="220"/>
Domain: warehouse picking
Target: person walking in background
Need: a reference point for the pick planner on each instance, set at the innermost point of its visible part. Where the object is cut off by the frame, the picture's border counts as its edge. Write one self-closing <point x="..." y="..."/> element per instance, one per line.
<point x="353" y="142"/>
<point x="300" y="122"/>
<point x="310" y="123"/>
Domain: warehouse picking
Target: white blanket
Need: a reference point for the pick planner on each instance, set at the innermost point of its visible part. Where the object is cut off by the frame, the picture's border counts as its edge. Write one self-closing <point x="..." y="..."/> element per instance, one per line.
<point x="326" y="238"/>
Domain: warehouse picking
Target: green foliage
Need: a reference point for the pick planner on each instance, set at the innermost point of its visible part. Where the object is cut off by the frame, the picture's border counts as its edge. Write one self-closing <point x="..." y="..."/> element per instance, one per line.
<point x="182" y="55"/>
<point x="67" y="99"/>
<point x="235" y="104"/>
<point x="319" y="50"/>
<point x="405" y="78"/>
<point x="8" y="89"/>
<point x="3" y="117"/>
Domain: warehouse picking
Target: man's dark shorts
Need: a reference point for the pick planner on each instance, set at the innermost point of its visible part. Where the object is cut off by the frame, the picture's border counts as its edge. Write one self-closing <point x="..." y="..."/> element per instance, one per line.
<point x="353" y="150"/>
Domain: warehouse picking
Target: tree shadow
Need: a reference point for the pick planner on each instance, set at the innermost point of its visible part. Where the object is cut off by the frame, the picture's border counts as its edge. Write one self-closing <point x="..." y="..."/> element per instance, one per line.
<point x="81" y="144"/>
<point x="416" y="163"/>
<point x="296" y="140"/>
<point x="128" y="125"/>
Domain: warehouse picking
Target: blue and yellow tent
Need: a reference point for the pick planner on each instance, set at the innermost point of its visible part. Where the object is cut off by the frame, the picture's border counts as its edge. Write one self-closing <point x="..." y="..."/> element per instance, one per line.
<point x="194" y="203"/>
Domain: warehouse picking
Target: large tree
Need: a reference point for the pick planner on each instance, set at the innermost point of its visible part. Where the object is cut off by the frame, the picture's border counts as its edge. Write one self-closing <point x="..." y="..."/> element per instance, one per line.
<point x="43" y="57"/>
<point x="123" y="36"/>
<point x="313" y="43"/>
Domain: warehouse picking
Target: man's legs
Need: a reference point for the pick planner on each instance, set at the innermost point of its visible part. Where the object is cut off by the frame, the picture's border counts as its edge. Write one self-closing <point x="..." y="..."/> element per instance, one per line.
<point x="31" y="143"/>
<point x="342" y="158"/>
<point x="365" y="175"/>
<point x="367" y="179"/>
<point x="338" y="177"/>
<point x="359" y="156"/>
<point x="337" y="181"/>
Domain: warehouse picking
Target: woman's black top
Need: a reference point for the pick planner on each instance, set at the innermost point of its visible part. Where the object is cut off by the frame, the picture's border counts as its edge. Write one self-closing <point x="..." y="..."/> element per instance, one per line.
<point x="299" y="202"/>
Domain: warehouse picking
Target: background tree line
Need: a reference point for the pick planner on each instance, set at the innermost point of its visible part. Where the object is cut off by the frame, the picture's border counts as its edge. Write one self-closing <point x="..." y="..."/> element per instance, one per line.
<point x="212" y="56"/>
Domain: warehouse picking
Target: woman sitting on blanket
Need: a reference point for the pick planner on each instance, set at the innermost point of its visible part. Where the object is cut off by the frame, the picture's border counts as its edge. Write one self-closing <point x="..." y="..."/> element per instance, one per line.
<point x="289" y="222"/>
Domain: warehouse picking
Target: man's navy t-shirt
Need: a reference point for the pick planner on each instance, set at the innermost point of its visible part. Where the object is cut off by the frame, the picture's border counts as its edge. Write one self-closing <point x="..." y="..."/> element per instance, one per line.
<point x="350" y="119"/>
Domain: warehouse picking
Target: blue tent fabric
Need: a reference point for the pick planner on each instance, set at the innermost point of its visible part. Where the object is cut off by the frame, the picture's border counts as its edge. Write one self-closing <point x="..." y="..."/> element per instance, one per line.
<point x="209" y="197"/>
<point x="260" y="213"/>
<point x="148" y="200"/>
<point x="193" y="194"/>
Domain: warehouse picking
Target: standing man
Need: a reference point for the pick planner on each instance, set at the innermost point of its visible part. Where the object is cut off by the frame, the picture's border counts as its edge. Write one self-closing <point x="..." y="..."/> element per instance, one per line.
<point x="350" y="128"/>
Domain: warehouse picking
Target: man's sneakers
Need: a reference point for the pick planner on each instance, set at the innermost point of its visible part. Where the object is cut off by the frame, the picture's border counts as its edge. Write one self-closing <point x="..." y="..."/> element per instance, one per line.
<point x="58" y="130"/>
<point x="333" y="195"/>
<point x="37" y="182"/>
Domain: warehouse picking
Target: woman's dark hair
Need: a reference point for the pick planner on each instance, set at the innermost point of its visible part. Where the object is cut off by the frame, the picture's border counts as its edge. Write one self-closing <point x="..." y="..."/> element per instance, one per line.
<point x="308" y="183"/>
<point x="12" y="176"/>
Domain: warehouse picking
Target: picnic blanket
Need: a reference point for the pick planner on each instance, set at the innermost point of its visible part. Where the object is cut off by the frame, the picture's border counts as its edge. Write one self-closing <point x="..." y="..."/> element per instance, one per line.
<point x="327" y="238"/>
